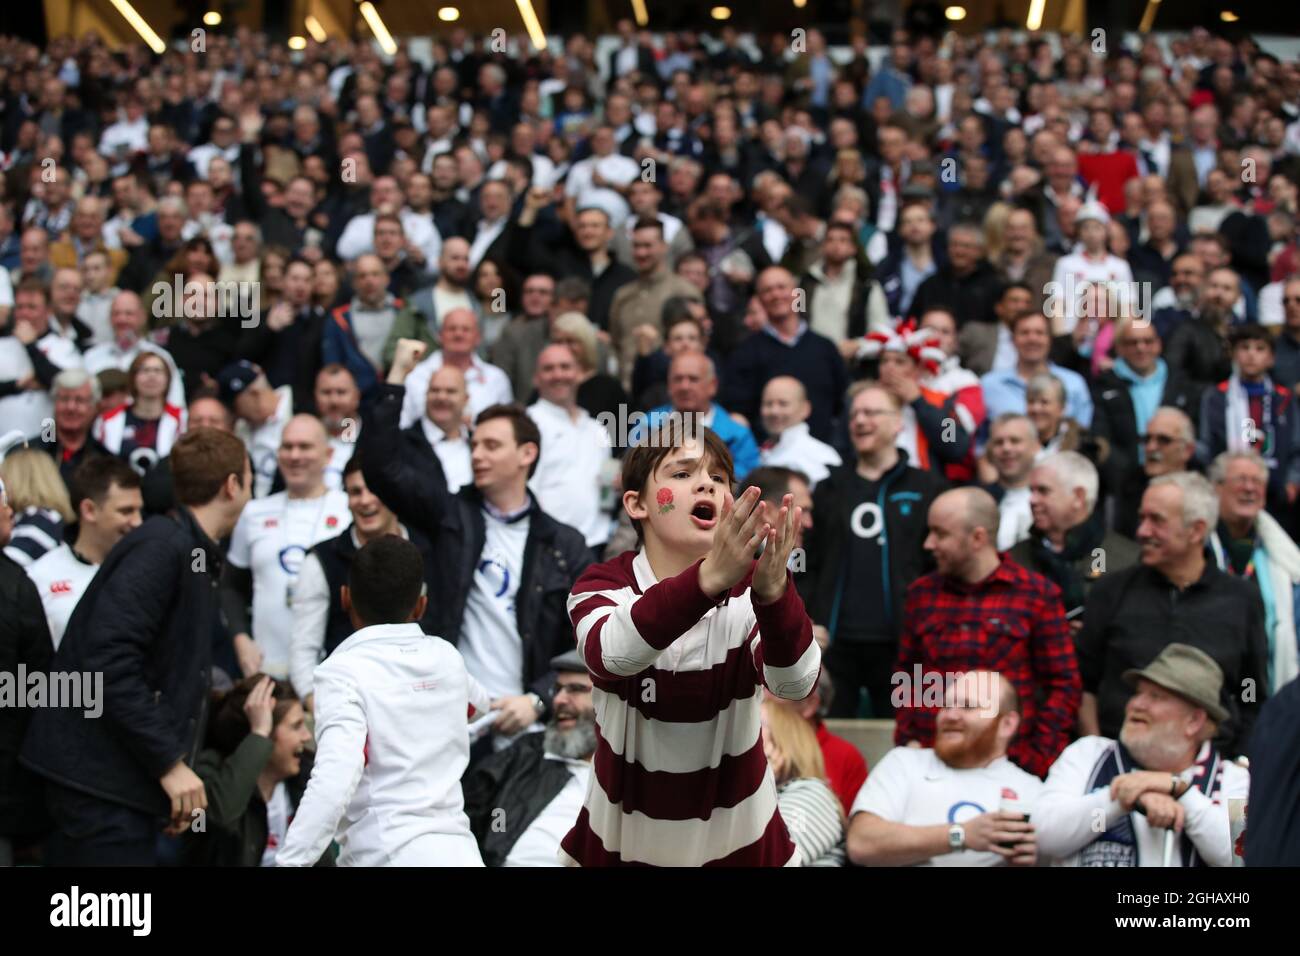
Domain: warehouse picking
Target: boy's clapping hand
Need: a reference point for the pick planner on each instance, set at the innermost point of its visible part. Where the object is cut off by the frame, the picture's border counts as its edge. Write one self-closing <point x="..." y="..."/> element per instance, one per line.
<point x="770" y="576"/>
<point x="738" y="534"/>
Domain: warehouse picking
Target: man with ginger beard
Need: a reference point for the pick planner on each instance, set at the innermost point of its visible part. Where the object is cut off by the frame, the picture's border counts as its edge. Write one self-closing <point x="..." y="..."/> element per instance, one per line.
<point x="943" y="806"/>
<point x="1162" y="773"/>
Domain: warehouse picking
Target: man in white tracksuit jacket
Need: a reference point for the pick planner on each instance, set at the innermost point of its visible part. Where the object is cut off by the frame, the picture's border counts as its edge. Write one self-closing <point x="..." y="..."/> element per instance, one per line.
<point x="392" y="738"/>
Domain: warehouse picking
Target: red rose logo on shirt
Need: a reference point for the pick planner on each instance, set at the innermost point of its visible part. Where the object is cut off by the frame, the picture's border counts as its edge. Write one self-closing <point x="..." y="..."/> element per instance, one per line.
<point x="665" y="500"/>
<point x="331" y="522"/>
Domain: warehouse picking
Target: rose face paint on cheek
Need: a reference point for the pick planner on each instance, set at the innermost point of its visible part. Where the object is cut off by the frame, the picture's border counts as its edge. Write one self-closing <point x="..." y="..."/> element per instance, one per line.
<point x="665" y="500"/>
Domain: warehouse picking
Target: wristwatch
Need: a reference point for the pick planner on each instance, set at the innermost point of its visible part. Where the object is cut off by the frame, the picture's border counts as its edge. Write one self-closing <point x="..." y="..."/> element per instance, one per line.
<point x="538" y="704"/>
<point x="956" y="837"/>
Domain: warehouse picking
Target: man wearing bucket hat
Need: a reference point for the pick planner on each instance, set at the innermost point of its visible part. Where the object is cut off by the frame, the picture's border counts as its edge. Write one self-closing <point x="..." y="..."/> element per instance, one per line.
<point x="1110" y="802"/>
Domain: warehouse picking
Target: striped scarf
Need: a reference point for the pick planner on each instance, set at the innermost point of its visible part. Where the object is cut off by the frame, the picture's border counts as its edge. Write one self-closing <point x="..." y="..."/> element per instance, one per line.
<point x="1118" y="846"/>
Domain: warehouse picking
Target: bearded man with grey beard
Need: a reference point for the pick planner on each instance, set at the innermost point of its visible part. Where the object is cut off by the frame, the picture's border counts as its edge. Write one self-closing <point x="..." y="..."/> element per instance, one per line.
<point x="521" y="801"/>
<point x="1119" y="802"/>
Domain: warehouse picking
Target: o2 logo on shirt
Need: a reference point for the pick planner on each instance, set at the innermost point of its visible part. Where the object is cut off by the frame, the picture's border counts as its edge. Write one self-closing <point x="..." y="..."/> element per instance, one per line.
<point x="142" y="459"/>
<point x="963" y="810"/>
<point x="291" y="558"/>
<point x="493" y="571"/>
<point x="867" y="521"/>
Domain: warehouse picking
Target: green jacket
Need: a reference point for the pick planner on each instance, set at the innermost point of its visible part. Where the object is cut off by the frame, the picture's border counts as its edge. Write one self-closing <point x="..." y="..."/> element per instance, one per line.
<point x="235" y="824"/>
<point x="408" y="324"/>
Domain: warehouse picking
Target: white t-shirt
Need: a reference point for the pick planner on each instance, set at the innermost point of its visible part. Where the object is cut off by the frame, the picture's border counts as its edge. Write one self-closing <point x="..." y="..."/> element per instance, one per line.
<point x="568" y="477"/>
<point x="1016" y="518"/>
<point x="540" y="843"/>
<point x="61" y="578"/>
<point x="340" y="454"/>
<point x="28" y="410"/>
<point x="489" y="639"/>
<point x="911" y="785"/>
<point x="271" y="539"/>
<point x="277" y="822"/>
<point x="1076" y="269"/>
<point x="453" y="454"/>
<point x="614" y="168"/>
<point x="796" y="448"/>
<point x="487" y="385"/>
<point x="263" y="442"/>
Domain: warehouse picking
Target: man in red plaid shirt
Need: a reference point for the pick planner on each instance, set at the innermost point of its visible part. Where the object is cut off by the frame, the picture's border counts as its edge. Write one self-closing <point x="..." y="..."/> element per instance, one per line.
<point x="982" y="611"/>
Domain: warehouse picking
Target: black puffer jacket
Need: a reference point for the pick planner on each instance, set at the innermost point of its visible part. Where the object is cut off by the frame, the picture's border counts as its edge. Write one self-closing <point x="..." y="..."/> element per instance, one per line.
<point x="145" y="624"/>
<point x="24" y="640"/>
<point x="554" y="554"/>
<point x="520" y="782"/>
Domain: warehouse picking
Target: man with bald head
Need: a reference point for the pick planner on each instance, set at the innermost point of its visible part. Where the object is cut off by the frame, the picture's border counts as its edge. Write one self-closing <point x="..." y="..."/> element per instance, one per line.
<point x="571" y="472"/>
<point x="459" y="337"/>
<point x="271" y="539"/>
<point x="126" y="318"/>
<point x="785" y="412"/>
<point x="981" y="609"/>
<point x="786" y="346"/>
<point x="692" y="388"/>
<point x="361" y="331"/>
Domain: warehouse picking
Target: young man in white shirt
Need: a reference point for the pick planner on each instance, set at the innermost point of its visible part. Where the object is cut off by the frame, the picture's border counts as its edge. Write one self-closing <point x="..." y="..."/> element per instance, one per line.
<point x="106" y="497"/>
<point x="785" y="410"/>
<point x="571" y="469"/>
<point x="260" y="416"/>
<point x="459" y="337"/>
<point x="269" y="543"/>
<point x="391" y="731"/>
<point x="505" y="566"/>
<point x="1120" y="802"/>
<point x="944" y="806"/>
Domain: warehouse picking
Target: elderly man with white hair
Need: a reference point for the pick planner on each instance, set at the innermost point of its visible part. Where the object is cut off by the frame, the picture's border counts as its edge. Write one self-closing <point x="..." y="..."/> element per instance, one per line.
<point x="1161" y="788"/>
<point x="1174" y="594"/>
<point x="1249" y="543"/>
<point x="1069" y="542"/>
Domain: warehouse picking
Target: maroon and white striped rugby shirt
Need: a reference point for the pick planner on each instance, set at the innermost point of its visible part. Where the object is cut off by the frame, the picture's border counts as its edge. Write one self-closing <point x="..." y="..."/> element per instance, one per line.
<point x="680" y="776"/>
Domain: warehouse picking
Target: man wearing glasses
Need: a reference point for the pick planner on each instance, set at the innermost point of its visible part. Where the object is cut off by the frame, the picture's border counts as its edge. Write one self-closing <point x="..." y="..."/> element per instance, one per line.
<point x="1126" y="398"/>
<point x="522" y="800"/>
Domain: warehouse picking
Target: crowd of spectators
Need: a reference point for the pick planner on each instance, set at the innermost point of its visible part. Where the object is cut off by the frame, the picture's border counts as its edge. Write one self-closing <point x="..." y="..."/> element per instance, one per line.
<point x="1015" y="321"/>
